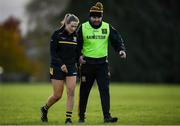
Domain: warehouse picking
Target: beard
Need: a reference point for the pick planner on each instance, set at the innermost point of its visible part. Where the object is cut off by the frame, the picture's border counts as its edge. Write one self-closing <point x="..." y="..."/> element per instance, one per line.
<point x="96" y="23"/>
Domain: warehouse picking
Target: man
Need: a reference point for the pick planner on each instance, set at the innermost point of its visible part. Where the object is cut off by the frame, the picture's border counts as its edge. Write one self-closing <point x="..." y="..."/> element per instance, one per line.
<point x="93" y="48"/>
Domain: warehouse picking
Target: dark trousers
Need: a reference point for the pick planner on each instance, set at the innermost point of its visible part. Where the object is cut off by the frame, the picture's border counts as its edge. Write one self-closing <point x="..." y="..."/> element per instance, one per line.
<point x="90" y="73"/>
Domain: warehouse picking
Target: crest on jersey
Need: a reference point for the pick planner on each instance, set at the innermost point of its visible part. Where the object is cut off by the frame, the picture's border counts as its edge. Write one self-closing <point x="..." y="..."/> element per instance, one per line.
<point x="75" y="38"/>
<point x="104" y="31"/>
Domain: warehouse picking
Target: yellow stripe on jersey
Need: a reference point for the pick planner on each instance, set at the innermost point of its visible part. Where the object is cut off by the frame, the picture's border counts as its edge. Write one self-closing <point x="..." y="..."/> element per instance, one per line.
<point x="65" y="42"/>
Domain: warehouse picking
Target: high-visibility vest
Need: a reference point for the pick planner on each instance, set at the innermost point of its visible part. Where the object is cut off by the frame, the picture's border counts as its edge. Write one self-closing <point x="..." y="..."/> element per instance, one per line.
<point x="95" y="43"/>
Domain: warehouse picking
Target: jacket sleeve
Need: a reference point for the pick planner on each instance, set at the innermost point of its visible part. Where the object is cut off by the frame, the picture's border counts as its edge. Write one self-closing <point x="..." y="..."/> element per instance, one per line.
<point x="80" y="40"/>
<point x="116" y="40"/>
<point x="53" y="49"/>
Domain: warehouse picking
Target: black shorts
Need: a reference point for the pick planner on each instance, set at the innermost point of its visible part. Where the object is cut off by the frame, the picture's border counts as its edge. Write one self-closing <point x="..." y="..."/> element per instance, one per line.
<point x="58" y="74"/>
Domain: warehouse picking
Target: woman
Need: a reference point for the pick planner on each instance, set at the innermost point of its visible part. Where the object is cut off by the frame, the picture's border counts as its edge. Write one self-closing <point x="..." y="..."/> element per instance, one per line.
<point x="63" y="48"/>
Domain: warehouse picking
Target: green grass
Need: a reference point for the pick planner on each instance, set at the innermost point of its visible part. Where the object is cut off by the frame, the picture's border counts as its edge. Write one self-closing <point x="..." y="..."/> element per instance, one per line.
<point x="131" y="103"/>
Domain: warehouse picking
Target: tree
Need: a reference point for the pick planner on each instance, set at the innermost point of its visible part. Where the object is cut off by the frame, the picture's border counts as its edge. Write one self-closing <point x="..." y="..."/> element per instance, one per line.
<point x="13" y="57"/>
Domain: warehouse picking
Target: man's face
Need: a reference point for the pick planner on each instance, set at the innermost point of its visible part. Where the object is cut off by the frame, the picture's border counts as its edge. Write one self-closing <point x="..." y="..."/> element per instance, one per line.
<point x="95" y="20"/>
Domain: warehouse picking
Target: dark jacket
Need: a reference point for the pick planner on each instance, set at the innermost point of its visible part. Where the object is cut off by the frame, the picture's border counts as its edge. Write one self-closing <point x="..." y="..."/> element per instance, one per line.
<point x="63" y="48"/>
<point x="114" y="38"/>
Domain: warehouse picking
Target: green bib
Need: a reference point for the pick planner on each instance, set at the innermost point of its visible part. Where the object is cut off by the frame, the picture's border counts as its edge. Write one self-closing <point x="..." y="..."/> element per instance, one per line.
<point x="95" y="43"/>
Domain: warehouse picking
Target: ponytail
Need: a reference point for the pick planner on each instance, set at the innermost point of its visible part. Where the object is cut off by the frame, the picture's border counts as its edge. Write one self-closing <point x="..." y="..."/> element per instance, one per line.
<point x="68" y="18"/>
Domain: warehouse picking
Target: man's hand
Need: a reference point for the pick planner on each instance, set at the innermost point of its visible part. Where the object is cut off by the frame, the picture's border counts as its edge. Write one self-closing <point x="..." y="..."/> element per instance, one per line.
<point x="81" y="60"/>
<point x="64" y="68"/>
<point x="122" y="54"/>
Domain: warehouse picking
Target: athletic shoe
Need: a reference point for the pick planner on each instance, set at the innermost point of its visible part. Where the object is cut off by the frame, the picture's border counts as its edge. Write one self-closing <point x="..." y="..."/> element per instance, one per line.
<point x="44" y="115"/>
<point x="68" y="121"/>
<point x="110" y="119"/>
<point x="81" y="120"/>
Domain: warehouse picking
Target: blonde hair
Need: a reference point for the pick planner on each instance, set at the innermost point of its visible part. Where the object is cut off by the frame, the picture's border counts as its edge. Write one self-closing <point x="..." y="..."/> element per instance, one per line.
<point x="68" y="18"/>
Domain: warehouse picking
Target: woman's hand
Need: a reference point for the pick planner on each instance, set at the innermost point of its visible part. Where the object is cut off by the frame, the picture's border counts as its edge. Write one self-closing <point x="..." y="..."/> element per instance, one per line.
<point x="64" y="68"/>
<point x="81" y="60"/>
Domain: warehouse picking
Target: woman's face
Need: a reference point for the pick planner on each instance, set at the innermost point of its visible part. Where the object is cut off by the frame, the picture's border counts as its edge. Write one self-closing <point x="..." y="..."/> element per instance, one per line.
<point x="71" y="27"/>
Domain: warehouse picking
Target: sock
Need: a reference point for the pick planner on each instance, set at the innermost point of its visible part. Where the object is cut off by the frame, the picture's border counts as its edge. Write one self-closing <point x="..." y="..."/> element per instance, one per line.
<point x="68" y="114"/>
<point x="46" y="107"/>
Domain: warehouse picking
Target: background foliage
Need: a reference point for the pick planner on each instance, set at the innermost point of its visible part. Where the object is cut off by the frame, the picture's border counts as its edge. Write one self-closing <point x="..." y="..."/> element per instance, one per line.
<point x="149" y="28"/>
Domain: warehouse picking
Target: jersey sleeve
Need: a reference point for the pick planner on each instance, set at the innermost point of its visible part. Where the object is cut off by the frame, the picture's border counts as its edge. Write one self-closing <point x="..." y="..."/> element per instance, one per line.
<point x="53" y="49"/>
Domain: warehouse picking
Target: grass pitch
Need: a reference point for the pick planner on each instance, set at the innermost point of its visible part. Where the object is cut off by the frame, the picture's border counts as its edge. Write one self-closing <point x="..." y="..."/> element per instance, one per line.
<point x="148" y="104"/>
